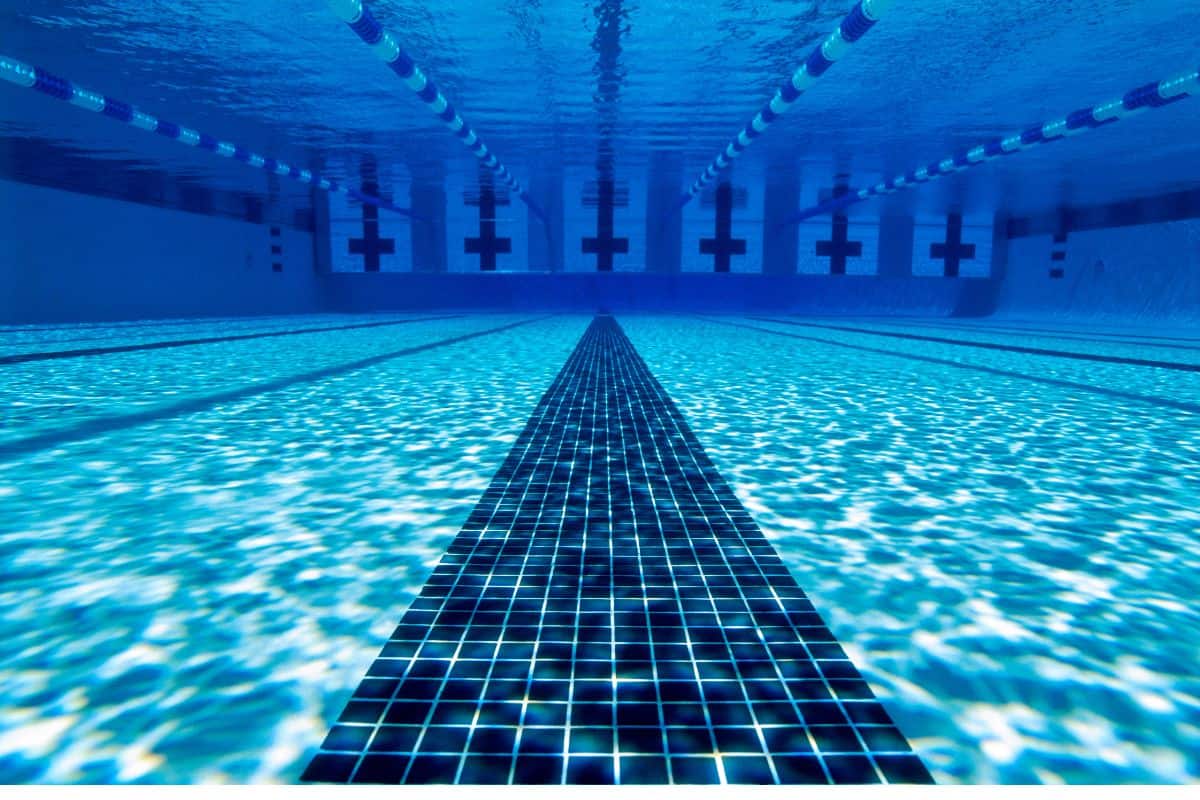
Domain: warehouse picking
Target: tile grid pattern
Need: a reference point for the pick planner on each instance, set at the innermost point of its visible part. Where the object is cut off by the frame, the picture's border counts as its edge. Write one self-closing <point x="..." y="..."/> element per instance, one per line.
<point x="610" y="613"/>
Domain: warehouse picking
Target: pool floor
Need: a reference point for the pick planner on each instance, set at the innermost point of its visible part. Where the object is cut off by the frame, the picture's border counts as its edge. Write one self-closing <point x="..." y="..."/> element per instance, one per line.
<point x="212" y="528"/>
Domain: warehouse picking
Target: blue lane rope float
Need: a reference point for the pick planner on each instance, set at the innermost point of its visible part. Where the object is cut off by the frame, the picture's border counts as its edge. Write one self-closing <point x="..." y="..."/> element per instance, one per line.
<point x="29" y="77"/>
<point x="861" y="19"/>
<point x="364" y="24"/>
<point x="1135" y="101"/>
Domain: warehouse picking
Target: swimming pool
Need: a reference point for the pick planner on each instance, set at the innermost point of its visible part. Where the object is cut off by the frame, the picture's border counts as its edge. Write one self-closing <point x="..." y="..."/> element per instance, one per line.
<point x="215" y="550"/>
<point x="554" y="392"/>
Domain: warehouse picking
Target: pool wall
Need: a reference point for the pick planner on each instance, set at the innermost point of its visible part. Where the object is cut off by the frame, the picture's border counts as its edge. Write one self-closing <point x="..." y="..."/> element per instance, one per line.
<point x="1137" y="273"/>
<point x="68" y="256"/>
<point x="71" y="256"/>
<point x="628" y="291"/>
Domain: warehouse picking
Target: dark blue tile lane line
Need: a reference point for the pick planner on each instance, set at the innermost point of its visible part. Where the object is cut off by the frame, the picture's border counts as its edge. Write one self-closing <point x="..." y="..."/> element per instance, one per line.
<point x="610" y="613"/>
<point x="49" y="355"/>
<point x="1163" y="402"/>
<point x="1008" y="348"/>
<point x="111" y="423"/>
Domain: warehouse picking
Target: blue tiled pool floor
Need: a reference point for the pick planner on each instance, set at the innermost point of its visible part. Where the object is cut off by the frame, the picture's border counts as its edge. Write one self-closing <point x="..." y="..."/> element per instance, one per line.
<point x="610" y="613"/>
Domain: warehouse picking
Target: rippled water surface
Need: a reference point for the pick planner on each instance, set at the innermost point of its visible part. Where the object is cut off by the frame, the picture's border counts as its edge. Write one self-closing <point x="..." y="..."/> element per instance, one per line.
<point x="204" y="547"/>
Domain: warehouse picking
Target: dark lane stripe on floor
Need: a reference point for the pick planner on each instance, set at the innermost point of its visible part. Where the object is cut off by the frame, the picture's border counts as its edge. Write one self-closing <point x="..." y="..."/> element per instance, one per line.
<point x="610" y="613"/>
<point x="1008" y="348"/>
<point x="1164" y="402"/>
<point x="22" y="358"/>
<point x="117" y="422"/>
<point x="89" y="327"/>
<point x="1095" y="337"/>
<point x="1017" y="327"/>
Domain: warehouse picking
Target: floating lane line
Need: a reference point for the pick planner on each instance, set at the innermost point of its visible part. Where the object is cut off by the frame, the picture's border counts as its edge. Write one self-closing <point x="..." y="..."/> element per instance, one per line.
<point x="861" y="19"/>
<point x="31" y="77"/>
<point x="364" y="24"/>
<point x="1135" y="101"/>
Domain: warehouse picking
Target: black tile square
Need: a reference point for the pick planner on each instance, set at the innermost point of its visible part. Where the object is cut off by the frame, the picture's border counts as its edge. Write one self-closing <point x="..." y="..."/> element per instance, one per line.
<point x="835" y="739"/>
<point x="640" y="740"/>
<point x="851" y="769"/>
<point x="433" y="769"/>
<point x="376" y="689"/>
<point x="505" y="689"/>
<point x="591" y="713"/>
<point x="747" y="769"/>
<point x="680" y="691"/>
<point x="364" y="711"/>
<point x="690" y="740"/>
<point x="493" y="741"/>
<point x="329" y="768"/>
<point x="347" y="738"/>
<point x="799" y="769"/>
<point x="544" y="741"/>
<point x="738" y="740"/>
<point x="867" y="713"/>
<point x="776" y="713"/>
<point x="485" y="770"/>
<point x="418" y="689"/>
<point x="443" y="739"/>
<point x="643" y="770"/>
<point x="582" y="770"/>
<point x="821" y="713"/>
<point x="395" y="738"/>
<point x="591" y="740"/>
<point x="549" y="690"/>
<point x="381" y="769"/>
<point x="694" y="770"/>
<point x="546" y="714"/>
<point x="730" y="714"/>
<point x="787" y="739"/>
<point x="499" y="712"/>
<point x="538" y="769"/>
<point x="453" y="712"/>
<point x="637" y="714"/>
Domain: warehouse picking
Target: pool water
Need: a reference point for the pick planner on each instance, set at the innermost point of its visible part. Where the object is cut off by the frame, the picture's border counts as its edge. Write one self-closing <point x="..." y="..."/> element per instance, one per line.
<point x="206" y="545"/>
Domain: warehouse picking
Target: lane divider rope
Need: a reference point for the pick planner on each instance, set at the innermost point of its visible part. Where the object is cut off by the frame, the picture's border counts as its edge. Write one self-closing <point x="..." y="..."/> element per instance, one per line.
<point x="364" y="24"/>
<point x="31" y="77"/>
<point x="1135" y="101"/>
<point x="861" y="19"/>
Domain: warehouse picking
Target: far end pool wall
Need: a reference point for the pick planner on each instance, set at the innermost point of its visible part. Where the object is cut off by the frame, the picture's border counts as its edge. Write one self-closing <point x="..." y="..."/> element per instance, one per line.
<point x="649" y="292"/>
<point x="1092" y="264"/>
<point x="73" y="257"/>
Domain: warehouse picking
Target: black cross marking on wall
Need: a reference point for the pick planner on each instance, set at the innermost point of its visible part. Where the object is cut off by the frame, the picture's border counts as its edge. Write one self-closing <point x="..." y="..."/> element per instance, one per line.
<point x="604" y="244"/>
<point x="723" y="245"/>
<point x="952" y="251"/>
<point x="371" y="246"/>
<point x="487" y="244"/>
<point x="839" y="247"/>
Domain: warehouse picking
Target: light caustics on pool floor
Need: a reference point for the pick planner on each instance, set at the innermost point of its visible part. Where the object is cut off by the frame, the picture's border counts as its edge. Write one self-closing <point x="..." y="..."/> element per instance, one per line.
<point x="1001" y="543"/>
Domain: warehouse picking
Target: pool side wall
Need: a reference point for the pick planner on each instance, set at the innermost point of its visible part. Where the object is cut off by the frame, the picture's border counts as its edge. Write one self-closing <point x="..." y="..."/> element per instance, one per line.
<point x="72" y="257"/>
<point x="1134" y="274"/>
